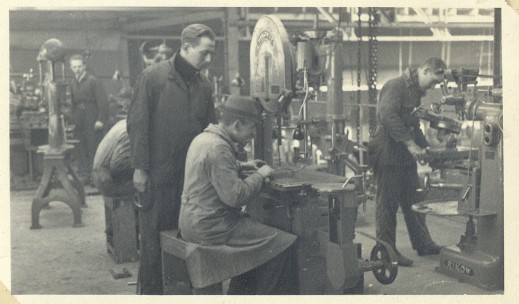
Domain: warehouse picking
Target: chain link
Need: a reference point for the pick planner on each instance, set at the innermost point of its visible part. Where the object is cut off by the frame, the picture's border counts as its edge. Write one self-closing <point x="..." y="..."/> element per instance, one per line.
<point x="373" y="65"/>
<point x="359" y="76"/>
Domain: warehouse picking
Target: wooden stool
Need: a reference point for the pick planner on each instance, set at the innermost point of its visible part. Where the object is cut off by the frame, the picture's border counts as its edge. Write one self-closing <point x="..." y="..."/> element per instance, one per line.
<point x="175" y="276"/>
<point x="120" y="218"/>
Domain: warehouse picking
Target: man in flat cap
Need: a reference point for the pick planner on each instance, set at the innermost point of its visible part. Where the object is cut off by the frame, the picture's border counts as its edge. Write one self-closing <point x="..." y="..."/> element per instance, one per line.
<point x="231" y="245"/>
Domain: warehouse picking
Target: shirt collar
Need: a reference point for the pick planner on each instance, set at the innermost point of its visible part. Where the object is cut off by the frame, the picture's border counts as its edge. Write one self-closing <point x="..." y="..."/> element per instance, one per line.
<point x="411" y="77"/>
<point x="81" y="77"/>
<point x="184" y="68"/>
<point x="224" y="134"/>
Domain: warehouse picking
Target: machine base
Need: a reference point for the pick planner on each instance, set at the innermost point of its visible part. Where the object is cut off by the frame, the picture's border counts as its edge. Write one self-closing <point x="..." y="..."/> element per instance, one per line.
<point x="477" y="268"/>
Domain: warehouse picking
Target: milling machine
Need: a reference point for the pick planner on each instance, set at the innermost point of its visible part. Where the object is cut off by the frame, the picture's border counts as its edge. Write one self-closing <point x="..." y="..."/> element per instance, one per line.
<point x="319" y="207"/>
<point x="473" y="168"/>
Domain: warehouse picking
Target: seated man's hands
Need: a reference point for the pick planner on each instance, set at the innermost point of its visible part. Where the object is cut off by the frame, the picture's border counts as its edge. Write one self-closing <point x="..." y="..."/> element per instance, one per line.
<point x="252" y="165"/>
<point x="265" y="171"/>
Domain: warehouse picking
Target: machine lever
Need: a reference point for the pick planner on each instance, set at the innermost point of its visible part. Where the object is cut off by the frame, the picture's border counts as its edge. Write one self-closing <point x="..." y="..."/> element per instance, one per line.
<point x="350" y="178"/>
<point x="466" y="193"/>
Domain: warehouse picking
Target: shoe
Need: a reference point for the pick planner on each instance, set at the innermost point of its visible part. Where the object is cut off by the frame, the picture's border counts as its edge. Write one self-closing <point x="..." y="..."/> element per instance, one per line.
<point x="403" y="261"/>
<point x="432" y="249"/>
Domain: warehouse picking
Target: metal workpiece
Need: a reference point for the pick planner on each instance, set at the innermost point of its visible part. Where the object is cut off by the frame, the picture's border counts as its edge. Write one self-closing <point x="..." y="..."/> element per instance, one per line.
<point x="439" y="122"/>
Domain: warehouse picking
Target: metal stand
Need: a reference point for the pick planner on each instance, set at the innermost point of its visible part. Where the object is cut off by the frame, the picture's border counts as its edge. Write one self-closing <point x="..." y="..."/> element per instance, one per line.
<point x="56" y="155"/>
<point x="58" y="164"/>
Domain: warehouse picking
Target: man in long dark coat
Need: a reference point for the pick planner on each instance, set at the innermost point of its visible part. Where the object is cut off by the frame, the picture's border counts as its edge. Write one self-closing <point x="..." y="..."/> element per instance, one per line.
<point x="172" y="104"/>
<point x="90" y="113"/>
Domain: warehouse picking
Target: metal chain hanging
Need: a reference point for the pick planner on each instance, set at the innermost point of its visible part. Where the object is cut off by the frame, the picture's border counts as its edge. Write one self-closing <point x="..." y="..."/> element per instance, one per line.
<point x="373" y="66"/>
<point x="359" y="77"/>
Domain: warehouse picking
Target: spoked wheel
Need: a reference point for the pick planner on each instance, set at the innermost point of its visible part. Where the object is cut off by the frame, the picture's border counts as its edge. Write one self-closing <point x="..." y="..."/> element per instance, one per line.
<point x="385" y="272"/>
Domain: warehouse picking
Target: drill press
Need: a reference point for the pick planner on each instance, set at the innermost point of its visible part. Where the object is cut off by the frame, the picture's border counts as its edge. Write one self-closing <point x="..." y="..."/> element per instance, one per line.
<point x="320" y="208"/>
<point x="56" y="155"/>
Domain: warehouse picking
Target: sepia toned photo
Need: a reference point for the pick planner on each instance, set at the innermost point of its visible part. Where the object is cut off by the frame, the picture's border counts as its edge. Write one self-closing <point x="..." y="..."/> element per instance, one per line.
<point x="158" y="153"/>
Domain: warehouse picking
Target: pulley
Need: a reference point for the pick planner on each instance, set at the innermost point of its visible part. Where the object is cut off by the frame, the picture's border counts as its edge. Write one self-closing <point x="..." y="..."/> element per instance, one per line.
<point x="52" y="50"/>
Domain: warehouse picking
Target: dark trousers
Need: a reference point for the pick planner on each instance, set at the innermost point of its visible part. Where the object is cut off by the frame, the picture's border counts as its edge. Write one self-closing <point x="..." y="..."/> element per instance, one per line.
<point x="396" y="186"/>
<point x="85" y="117"/>
<point x="162" y="216"/>
<point x="107" y="186"/>
<point x="272" y="278"/>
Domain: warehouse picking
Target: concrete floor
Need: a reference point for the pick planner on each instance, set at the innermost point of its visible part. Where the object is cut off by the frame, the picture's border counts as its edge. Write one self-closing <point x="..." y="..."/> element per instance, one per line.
<point x="61" y="260"/>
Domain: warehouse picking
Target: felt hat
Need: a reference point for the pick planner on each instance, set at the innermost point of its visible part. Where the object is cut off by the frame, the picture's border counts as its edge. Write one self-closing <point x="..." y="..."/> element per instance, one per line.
<point x="243" y="107"/>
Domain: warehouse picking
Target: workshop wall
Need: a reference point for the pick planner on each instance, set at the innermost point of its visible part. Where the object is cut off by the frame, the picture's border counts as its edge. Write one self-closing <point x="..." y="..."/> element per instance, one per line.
<point x="110" y="51"/>
<point x="102" y="63"/>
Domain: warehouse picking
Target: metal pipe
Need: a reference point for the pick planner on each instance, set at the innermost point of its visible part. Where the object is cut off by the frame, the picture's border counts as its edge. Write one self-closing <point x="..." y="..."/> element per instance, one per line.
<point x="497" y="47"/>
<point x="379" y="38"/>
<point x="327" y="25"/>
<point x="161" y="37"/>
<point x="453" y="38"/>
<point x="305" y="115"/>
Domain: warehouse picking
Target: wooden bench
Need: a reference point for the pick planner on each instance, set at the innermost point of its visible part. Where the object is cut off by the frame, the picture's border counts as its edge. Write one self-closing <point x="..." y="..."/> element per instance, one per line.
<point x="175" y="276"/>
<point x="120" y="214"/>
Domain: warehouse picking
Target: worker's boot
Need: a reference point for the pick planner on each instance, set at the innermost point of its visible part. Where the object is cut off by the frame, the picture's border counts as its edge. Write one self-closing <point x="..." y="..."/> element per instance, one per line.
<point x="402" y="260"/>
<point x="431" y="249"/>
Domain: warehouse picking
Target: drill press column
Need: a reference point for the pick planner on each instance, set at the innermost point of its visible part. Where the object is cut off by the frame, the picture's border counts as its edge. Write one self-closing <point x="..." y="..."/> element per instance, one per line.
<point x="56" y="155"/>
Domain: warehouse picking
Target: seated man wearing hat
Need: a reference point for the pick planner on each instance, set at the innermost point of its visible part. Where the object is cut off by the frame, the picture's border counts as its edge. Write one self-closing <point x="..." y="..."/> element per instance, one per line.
<point x="230" y="245"/>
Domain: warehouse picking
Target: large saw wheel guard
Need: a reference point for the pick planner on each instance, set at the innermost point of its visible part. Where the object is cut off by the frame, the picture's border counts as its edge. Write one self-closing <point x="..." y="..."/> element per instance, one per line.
<point x="272" y="63"/>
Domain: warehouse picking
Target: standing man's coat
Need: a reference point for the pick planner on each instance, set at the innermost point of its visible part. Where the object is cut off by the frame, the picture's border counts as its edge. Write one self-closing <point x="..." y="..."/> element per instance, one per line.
<point x="89" y="104"/>
<point x="165" y="115"/>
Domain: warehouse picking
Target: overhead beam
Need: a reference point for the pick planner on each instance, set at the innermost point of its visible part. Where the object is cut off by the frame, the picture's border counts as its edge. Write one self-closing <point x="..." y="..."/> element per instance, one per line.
<point x="424" y="16"/>
<point x="191" y="18"/>
<point x="231" y="50"/>
<point x="452" y="38"/>
<point x="307" y="24"/>
<point x="161" y="37"/>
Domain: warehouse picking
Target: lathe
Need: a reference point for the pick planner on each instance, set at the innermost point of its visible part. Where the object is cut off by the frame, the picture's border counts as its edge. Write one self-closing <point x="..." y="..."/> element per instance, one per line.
<point x="319" y="207"/>
<point x="473" y="173"/>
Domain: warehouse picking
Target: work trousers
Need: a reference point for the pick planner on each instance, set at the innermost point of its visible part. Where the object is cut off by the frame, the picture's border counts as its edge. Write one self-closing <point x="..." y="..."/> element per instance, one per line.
<point x="162" y="216"/>
<point x="274" y="277"/>
<point x="107" y="186"/>
<point x="396" y="186"/>
<point x="85" y="117"/>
